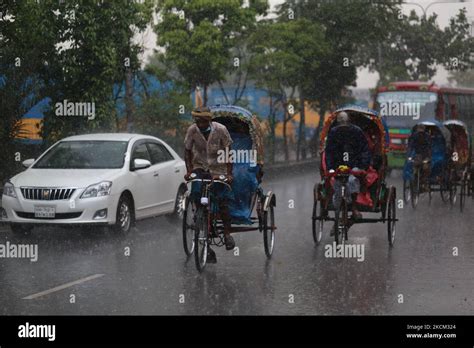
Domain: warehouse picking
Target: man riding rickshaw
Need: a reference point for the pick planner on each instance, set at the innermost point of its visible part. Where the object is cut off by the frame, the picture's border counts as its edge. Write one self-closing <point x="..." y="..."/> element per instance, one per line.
<point x="428" y="163"/>
<point x="224" y="160"/>
<point x="347" y="146"/>
<point x="353" y="146"/>
<point x="204" y="140"/>
<point x="461" y="159"/>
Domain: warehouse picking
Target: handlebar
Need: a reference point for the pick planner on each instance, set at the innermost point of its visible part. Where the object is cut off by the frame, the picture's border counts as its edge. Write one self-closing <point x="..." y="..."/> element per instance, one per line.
<point x="342" y="173"/>
<point x="212" y="181"/>
<point x="411" y="159"/>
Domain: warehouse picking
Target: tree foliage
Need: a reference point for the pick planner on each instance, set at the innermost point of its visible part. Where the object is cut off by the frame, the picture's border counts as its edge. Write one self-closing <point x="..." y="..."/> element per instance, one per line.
<point x="197" y="37"/>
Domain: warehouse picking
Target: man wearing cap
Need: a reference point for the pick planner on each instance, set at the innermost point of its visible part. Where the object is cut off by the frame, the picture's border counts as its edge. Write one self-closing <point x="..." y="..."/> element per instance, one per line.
<point x="203" y="142"/>
<point x="347" y="145"/>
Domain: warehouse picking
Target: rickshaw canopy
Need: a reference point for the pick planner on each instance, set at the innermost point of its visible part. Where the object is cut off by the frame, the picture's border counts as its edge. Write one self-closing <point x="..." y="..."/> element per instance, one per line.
<point x="460" y="141"/>
<point x="369" y="114"/>
<point x="222" y="111"/>
<point x="440" y="149"/>
<point x="244" y="140"/>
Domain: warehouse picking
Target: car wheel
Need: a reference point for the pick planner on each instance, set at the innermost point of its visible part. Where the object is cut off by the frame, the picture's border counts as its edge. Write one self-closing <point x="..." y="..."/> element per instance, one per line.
<point x="21" y="229"/>
<point x="178" y="211"/>
<point x="125" y="216"/>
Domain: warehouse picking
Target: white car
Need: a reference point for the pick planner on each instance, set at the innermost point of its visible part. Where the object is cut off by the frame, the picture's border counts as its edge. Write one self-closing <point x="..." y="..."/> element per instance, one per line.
<point x="110" y="179"/>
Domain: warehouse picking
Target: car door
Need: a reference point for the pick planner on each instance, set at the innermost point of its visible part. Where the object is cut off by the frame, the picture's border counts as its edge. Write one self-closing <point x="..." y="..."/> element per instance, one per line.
<point x="145" y="182"/>
<point x="163" y="164"/>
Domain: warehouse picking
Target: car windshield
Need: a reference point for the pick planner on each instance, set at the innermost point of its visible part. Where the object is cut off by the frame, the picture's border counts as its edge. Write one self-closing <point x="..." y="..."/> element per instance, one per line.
<point x="84" y="155"/>
<point x="404" y="109"/>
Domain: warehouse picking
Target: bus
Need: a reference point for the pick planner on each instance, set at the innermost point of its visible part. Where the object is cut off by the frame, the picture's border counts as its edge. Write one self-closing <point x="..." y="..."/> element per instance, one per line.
<point x="403" y="104"/>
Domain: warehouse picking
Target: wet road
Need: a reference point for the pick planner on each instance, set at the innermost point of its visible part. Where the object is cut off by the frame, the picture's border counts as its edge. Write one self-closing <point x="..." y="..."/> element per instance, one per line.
<point x="430" y="270"/>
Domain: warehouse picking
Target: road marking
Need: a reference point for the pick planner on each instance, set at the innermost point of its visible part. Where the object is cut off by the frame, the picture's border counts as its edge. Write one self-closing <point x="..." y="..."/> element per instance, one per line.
<point x="62" y="287"/>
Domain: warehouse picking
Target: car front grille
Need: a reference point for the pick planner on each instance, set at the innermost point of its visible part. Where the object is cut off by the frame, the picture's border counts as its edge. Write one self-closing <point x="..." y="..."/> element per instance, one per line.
<point x="47" y="194"/>
<point x="58" y="216"/>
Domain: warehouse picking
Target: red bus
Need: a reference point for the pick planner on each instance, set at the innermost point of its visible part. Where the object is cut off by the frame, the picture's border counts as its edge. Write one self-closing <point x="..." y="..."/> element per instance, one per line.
<point x="403" y="104"/>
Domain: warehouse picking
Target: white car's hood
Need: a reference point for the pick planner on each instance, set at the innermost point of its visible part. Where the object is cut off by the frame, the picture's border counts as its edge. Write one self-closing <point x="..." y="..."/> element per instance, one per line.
<point x="80" y="178"/>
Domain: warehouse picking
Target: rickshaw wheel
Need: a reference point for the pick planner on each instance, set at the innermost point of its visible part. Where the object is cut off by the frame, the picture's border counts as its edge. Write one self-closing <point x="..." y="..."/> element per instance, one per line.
<point x="463" y="193"/>
<point x="341" y="219"/>
<point x="415" y="189"/>
<point x="269" y="230"/>
<point x="445" y="188"/>
<point x="317" y="225"/>
<point x="406" y="191"/>
<point x="453" y="193"/>
<point x="201" y="241"/>
<point x="391" y="215"/>
<point x="444" y="194"/>
<point x="188" y="229"/>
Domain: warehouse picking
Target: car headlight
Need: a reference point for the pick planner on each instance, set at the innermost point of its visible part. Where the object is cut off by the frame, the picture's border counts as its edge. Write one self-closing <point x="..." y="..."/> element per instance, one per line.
<point x="98" y="190"/>
<point x="9" y="190"/>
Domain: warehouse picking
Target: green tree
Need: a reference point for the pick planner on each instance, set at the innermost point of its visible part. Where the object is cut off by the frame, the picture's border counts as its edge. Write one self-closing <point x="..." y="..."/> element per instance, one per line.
<point x="165" y="113"/>
<point x="349" y="26"/>
<point x="416" y="46"/>
<point x="197" y="37"/>
<point x="285" y="53"/>
<point x="21" y="67"/>
<point x="92" y="58"/>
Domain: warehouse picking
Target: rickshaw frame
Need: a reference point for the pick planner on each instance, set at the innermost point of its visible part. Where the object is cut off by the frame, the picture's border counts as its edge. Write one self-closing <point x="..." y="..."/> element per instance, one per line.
<point x="461" y="172"/>
<point x="385" y="197"/>
<point x="262" y="205"/>
<point x="441" y="182"/>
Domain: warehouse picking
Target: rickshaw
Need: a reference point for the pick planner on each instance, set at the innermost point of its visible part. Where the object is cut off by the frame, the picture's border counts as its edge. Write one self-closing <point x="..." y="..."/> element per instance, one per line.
<point x="460" y="159"/>
<point x="440" y="178"/>
<point x="376" y="197"/>
<point x="250" y="208"/>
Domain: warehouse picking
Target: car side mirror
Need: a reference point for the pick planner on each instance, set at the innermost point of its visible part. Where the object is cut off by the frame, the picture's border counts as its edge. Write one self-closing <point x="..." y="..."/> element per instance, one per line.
<point x="139" y="163"/>
<point x="28" y="162"/>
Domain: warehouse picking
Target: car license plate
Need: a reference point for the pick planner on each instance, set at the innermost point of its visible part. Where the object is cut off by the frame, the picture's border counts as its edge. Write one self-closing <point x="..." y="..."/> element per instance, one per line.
<point x="45" y="212"/>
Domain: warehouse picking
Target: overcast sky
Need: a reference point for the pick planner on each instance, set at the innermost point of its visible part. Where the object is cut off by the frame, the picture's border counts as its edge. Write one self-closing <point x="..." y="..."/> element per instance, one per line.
<point x="445" y="9"/>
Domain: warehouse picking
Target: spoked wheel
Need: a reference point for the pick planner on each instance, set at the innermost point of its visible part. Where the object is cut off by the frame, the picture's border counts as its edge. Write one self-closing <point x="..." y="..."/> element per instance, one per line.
<point x="453" y="193"/>
<point x="463" y="193"/>
<point x="444" y="190"/>
<point x="269" y="230"/>
<point x="444" y="193"/>
<point x="415" y="189"/>
<point x="201" y="241"/>
<point x="406" y="191"/>
<point x="391" y="215"/>
<point x="430" y="194"/>
<point x="188" y="227"/>
<point x="318" y="219"/>
<point x="341" y="220"/>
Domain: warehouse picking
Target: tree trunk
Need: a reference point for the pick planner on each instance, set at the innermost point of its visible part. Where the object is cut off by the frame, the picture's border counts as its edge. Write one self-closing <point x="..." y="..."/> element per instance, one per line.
<point x="129" y="105"/>
<point x="315" y="140"/>
<point x="301" y="145"/>
<point x="271" y="123"/>
<point x="285" y="137"/>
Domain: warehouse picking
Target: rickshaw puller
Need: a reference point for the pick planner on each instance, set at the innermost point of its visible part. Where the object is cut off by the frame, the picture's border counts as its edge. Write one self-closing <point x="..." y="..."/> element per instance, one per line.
<point x="420" y="143"/>
<point x="347" y="145"/>
<point x="203" y="142"/>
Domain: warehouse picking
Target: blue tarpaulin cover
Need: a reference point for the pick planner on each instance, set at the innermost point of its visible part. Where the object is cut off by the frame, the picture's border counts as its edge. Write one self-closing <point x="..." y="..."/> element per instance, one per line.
<point x="439" y="158"/>
<point x="245" y="182"/>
